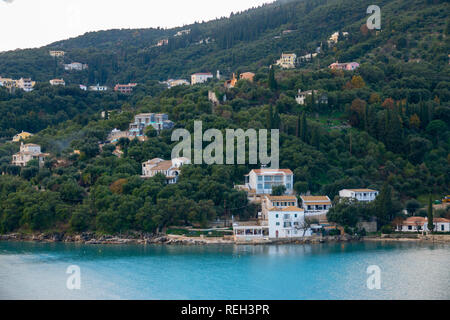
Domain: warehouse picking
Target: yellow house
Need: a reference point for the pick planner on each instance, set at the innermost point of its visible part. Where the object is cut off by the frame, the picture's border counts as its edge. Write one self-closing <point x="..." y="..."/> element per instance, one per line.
<point x="22" y="136"/>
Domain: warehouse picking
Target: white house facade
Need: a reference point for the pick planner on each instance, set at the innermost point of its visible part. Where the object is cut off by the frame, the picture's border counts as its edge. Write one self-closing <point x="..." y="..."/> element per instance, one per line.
<point x="27" y="153"/>
<point x="315" y="206"/>
<point x="287" y="223"/>
<point x="261" y="181"/>
<point x="197" y="78"/>
<point x="362" y="195"/>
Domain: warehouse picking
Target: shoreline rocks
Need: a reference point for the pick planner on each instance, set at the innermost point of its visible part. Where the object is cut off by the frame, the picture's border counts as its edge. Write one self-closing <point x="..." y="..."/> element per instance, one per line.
<point x="89" y="238"/>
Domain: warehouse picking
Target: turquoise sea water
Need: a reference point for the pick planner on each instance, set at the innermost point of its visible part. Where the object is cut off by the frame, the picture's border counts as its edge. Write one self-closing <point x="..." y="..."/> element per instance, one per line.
<point x="288" y="272"/>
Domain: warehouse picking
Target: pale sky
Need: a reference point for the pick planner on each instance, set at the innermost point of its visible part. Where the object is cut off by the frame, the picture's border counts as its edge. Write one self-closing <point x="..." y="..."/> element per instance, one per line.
<point x="35" y="23"/>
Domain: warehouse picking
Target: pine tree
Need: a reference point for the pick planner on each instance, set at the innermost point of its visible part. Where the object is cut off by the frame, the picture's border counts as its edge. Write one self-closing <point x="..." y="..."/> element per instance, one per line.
<point x="430" y="215"/>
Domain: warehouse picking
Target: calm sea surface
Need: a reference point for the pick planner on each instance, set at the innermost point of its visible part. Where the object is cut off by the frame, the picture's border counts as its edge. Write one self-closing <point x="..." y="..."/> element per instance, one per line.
<point x="288" y="272"/>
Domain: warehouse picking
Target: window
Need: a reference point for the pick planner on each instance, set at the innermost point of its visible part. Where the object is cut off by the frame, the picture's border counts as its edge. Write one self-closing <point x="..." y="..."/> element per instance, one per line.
<point x="442" y="227"/>
<point x="295" y="215"/>
<point x="260" y="186"/>
<point x="278" y="224"/>
<point x="277" y="216"/>
<point x="409" y="227"/>
<point x="260" y="178"/>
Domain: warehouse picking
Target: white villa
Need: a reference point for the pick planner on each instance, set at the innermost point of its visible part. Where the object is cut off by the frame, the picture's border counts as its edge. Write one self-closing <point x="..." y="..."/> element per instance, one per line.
<point x="56" y="53"/>
<point x="77" y="66"/>
<point x="200" y="77"/>
<point x="57" y="82"/>
<point x="316" y="206"/>
<point x="319" y="98"/>
<point x="281" y="223"/>
<point x="177" y="82"/>
<point x="98" y="88"/>
<point x="27" y="153"/>
<point x="170" y="169"/>
<point x="419" y="224"/>
<point x="287" y="60"/>
<point x="287" y="223"/>
<point x="364" y="195"/>
<point x="261" y="181"/>
<point x="159" y="121"/>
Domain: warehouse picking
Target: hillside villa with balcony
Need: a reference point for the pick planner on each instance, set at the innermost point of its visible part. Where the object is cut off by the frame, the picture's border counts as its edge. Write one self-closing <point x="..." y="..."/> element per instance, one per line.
<point x="348" y="66"/>
<point x="75" y="66"/>
<point x="200" y="77"/>
<point x="159" y="121"/>
<point x="170" y="169"/>
<point x="98" y="88"/>
<point x="27" y="153"/>
<point x="57" y="82"/>
<point x="261" y="181"/>
<point x="362" y="195"/>
<point x="125" y="88"/>
<point x="287" y="61"/>
<point x="316" y="206"/>
<point x="57" y="53"/>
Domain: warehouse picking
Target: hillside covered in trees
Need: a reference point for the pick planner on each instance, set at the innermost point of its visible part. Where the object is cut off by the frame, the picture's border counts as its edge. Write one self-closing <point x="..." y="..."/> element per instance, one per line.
<point x="385" y="126"/>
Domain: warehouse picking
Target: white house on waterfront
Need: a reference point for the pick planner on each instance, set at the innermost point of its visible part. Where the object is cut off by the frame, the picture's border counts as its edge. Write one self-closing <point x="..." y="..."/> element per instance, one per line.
<point x="419" y="224"/>
<point x="316" y="206"/>
<point x="287" y="223"/>
<point x="27" y="153"/>
<point x="261" y="181"/>
<point x="170" y="169"/>
<point x="363" y="195"/>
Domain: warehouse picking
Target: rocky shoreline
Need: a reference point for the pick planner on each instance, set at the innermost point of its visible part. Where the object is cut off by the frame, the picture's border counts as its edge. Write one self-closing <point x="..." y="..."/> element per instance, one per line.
<point x="143" y="239"/>
<point x="93" y="239"/>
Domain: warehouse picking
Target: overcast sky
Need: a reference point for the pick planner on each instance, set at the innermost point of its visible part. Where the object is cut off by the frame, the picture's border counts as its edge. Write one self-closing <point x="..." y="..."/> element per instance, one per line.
<point x="34" y="23"/>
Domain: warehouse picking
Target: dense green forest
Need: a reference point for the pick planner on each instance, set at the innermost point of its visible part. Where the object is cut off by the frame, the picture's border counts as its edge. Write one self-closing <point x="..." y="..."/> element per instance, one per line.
<point x="386" y="125"/>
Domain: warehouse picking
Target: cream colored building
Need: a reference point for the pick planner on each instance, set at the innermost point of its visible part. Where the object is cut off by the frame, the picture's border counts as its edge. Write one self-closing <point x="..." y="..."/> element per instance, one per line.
<point x="287" y="61"/>
<point x="22" y="136"/>
<point x="57" y="82"/>
<point x="171" y="169"/>
<point x="27" y="153"/>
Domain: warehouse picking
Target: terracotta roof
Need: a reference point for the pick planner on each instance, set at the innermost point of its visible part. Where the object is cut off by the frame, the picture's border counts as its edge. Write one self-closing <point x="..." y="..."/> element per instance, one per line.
<point x="288" y="209"/>
<point x="282" y="198"/>
<point x="321" y="199"/>
<point x="273" y="171"/>
<point x="412" y="221"/>
<point x="362" y="190"/>
<point x="163" y="165"/>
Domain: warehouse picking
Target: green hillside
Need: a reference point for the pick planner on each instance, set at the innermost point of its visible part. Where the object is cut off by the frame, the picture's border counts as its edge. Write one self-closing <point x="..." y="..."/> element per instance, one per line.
<point x="385" y="126"/>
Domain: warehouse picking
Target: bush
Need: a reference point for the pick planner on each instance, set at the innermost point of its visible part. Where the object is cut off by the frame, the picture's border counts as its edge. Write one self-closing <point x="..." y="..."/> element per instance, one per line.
<point x="387" y="229"/>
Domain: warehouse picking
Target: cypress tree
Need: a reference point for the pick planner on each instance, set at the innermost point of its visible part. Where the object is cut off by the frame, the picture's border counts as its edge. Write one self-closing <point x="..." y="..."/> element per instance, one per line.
<point x="303" y="128"/>
<point x="430" y="215"/>
<point x="269" y="118"/>
<point x="273" y="85"/>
